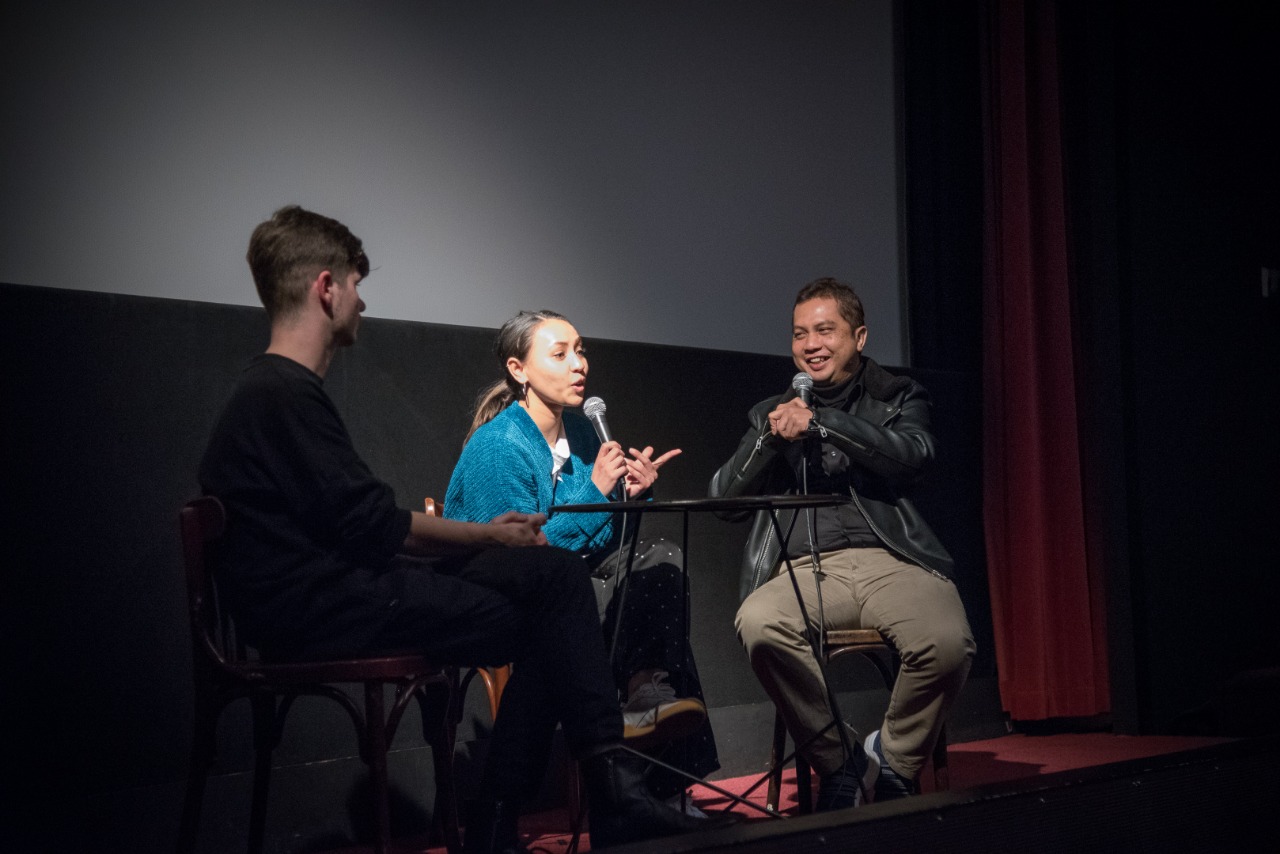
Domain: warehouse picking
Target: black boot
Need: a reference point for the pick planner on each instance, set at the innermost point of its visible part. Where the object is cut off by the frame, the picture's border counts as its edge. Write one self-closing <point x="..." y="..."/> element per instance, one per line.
<point x="622" y="808"/>
<point x="492" y="829"/>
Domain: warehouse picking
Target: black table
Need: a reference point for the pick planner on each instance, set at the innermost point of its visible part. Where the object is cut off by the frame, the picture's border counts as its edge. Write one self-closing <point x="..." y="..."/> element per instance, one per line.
<point x="738" y="504"/>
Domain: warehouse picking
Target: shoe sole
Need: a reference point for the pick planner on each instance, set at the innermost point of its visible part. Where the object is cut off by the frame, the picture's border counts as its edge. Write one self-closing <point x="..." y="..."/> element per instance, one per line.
<point x="674" y="721"/>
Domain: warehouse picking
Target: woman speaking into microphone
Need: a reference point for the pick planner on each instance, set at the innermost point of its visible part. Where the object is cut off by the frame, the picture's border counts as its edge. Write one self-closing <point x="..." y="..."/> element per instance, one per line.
<point x="529" y="449"/>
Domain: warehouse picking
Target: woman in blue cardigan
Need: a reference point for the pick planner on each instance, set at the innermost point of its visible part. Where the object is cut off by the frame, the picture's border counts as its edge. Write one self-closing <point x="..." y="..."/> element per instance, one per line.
<point x="530" y="449"/>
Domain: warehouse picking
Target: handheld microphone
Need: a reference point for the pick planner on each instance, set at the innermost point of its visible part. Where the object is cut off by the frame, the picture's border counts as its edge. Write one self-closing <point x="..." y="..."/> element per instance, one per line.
<point x="802" y="385"/>
<point x="594" y="410"/>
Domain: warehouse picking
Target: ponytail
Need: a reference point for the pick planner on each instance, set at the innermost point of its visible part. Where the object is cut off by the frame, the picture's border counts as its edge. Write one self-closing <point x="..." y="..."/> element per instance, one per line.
<point x="514" y="339"/>
<point x="492" y="400"/>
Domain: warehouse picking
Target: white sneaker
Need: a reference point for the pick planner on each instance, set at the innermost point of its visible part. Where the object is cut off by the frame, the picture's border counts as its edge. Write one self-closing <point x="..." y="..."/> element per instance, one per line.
<point x="654" y="713"/>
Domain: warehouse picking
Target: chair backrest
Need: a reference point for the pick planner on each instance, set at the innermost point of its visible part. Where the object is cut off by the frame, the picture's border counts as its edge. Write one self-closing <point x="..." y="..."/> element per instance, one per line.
<point x="202" y="521"/>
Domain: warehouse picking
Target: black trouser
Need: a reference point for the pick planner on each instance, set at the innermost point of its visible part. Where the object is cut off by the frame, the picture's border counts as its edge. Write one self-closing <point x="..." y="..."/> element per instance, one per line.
<point x="652" y="635"/>
<point x="535" y="608"/>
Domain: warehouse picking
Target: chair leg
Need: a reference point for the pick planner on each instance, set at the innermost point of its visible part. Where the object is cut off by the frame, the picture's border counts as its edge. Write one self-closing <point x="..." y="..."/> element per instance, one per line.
<point x="804" y="786"/>
<point x="501" y="675"/>
<point x="440" y="704"/>
<point x="442" y="741"/>
<point x="376" y="756"/>
<point x="941" y="771"/>
<point x="264" y="724"/>
<point x="574" y="803"/>
<point x="203" y="747"/>
<point x="778" y="751"/>
<point x="495" y="680"/>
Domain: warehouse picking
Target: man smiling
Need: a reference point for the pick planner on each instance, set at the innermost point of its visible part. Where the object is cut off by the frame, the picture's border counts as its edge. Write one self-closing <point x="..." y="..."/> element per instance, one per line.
<point x="881" y="566"/>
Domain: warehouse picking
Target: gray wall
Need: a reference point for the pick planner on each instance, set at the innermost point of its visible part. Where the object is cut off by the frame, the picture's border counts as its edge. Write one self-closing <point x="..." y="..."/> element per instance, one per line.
<point x="664" y="172"/>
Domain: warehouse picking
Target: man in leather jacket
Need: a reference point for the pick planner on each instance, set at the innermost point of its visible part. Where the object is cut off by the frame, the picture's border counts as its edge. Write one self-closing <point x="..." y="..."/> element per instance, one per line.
<point x="865" y="435"/>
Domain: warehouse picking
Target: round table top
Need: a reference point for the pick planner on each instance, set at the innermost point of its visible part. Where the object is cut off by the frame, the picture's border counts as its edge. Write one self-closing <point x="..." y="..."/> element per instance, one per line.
<point x="721" y="505"/>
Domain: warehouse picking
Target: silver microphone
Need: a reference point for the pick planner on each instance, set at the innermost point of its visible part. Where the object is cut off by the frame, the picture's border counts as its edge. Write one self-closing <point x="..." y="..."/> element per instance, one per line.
<point x="801" y="384"/>
<point x="594" y="410"/>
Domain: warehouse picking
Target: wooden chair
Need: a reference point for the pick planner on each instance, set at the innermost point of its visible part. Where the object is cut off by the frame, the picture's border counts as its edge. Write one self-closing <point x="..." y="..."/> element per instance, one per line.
<point x="224" y="672"/>
<point x="873" y="646"/>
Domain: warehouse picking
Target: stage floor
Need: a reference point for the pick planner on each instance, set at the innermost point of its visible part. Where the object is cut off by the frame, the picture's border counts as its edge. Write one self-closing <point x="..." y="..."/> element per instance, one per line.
<point x="1005" y="760"/>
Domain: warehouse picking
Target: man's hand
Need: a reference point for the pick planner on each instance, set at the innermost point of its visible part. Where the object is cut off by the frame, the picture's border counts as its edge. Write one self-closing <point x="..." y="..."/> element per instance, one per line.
<point x="642" y="469"/>
<point x="518" y="529"/>
<point x="431" y="536"/>
<point x="790" y="420"/>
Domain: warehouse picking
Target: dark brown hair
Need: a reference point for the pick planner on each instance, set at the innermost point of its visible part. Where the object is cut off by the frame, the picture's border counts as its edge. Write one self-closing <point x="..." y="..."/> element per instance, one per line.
<point x="846" y="300"/>
<point x="290" y="249"/>
<point x="513" y="341"/>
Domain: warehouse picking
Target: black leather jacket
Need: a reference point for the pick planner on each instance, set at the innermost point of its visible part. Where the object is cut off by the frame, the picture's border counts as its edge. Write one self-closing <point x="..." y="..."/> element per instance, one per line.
<point x="886" y="438"/>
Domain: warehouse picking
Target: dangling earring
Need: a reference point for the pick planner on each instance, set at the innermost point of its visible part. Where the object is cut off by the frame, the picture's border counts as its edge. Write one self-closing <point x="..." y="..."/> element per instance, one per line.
<point x="524" y="391"/>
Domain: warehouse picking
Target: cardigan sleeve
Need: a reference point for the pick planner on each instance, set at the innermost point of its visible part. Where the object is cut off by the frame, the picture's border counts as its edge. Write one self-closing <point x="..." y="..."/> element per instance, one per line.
<point x="579" y="532"/>
<point x="502" y="469"/>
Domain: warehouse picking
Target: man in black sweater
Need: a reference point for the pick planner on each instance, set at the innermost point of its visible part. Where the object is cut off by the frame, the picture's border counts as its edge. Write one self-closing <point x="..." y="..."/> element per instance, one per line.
<point x="307" y="564"/>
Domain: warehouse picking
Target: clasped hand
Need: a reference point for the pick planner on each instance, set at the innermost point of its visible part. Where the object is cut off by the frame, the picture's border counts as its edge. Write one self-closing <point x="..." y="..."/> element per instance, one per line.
<point x="639" y="470"/>
<point x="790" y="420"/>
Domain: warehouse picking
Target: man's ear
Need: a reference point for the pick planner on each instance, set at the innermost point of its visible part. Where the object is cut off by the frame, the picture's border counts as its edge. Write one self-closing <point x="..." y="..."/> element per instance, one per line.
<point x="322" y="286"/>
<point x="860" y="338"/>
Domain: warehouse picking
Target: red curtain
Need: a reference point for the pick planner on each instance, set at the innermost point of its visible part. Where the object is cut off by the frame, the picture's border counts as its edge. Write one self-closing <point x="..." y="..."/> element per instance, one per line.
<point x="1050" y="629"/>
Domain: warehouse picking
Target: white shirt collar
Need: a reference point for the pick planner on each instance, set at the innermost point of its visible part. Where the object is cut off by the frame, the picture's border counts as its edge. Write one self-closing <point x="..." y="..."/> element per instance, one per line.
<point x="559" y="455"/>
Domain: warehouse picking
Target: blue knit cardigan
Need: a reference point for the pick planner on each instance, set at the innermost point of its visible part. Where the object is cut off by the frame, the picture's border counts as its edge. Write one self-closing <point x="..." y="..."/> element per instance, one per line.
<point x="506" y="465"/>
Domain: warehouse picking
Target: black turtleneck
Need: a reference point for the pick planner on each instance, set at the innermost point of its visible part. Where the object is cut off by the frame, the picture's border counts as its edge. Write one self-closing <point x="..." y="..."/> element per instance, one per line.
<point x="838" y="396"/>
<point x="840" y="527"/>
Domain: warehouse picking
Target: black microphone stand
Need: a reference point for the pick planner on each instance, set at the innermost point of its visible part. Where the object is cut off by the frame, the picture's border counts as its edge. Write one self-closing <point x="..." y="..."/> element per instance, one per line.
<point x="816" y="632"/>
<point x="620" y="578"/>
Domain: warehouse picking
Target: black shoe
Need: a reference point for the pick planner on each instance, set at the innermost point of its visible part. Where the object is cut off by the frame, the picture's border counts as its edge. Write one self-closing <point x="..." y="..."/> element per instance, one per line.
<point x="890" y="785"/>
<point x="492" y="828"/>
<point x="848" y="785"/>
<point x="622" y="807"/>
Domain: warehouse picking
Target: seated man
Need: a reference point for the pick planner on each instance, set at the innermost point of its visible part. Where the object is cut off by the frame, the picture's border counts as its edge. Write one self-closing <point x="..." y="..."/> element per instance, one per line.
<point x="882" y="568"/>
<point x="307" y="565"/>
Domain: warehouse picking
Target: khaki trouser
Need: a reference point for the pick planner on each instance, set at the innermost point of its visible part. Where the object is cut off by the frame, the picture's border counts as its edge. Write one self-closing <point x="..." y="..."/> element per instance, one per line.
<point x="919" y="612"/>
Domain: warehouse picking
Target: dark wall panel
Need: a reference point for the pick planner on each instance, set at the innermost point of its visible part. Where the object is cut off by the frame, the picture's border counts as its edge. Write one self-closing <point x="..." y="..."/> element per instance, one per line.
<point x="108" y="403"/>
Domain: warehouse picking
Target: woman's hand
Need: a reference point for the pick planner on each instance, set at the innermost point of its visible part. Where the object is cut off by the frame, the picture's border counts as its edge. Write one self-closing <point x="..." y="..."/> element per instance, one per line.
<point x="610" y="467"/>
<point x="642" y="469"/>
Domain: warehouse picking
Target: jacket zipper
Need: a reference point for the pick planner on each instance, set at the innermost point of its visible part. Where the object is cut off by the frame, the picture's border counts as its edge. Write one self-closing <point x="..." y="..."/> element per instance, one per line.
<point x="890" y="543"/>
<point x="858" y="503"/>
<point x="763" y="566"/>
<point x="759" y="442"/>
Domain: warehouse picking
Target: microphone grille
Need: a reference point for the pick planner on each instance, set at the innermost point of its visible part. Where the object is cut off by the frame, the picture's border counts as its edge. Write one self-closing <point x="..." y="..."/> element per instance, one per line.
<point x="801" y="382"/>
<point x="593" y="406"/>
